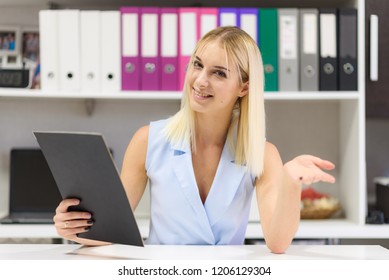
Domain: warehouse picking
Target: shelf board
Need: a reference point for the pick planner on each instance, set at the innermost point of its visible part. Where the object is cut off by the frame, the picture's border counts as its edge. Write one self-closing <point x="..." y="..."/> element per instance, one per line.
<point x="121" y="95"/>
<point x="310" y="95"/>
<point x="167" y="95"/>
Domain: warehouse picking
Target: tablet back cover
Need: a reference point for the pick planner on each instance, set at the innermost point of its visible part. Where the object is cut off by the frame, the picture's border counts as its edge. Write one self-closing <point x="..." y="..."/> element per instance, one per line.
<point x="83" y="168"/>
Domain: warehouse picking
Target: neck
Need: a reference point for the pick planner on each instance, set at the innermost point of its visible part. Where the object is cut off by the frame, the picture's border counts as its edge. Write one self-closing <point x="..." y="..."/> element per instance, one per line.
<point x="211" y="131"/>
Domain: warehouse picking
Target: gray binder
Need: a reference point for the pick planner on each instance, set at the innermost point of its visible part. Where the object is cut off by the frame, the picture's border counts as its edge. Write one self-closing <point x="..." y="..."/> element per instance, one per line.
<point x="288" y="50"/>
<point x="309" y="50"/>
<point x="83" y="168"/>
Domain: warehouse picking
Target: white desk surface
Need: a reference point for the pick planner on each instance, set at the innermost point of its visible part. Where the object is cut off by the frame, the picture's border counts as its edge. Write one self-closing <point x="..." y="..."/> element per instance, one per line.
<point x="309" y="229"/>
<point x="168" y="252"/>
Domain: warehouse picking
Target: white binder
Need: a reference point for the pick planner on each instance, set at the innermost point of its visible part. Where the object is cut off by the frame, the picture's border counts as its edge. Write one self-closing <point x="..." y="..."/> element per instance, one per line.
<point x="69" y="49"/>
<point x="288" y="61"/>
<point x="110" y="51"/>
<point x="90" y="51"/>
<point x="48" y="40"/>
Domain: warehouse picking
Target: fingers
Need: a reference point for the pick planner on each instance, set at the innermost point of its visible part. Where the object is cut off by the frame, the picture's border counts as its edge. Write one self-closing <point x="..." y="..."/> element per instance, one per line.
<point x="69" y="224"/>
<point x="324" y="164"/>
<point x="70" y="229"/>
<point x="325" y="177"/>
<point x="65" y="204"/>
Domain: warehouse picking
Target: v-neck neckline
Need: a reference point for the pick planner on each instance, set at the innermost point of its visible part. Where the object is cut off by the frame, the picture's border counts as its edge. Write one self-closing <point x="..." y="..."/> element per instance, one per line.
<point x="215" y="177"/>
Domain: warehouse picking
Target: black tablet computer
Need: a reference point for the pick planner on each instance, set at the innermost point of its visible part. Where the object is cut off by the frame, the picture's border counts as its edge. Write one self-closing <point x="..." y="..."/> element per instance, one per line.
<point x="83" y="168"/>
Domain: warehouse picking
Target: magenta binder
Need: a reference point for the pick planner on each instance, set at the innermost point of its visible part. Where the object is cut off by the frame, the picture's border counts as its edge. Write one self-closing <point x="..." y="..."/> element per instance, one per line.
<point x="130" y="48"/>
<point x="189" y="32"/>
<point x="209" y="20"/>
<point x="150" y="42"/>
<point x="168" y="30"/>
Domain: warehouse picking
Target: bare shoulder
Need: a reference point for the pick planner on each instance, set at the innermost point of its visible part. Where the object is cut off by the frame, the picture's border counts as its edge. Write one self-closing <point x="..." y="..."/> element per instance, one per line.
<point x="142" y="134"/>
<point x="271" y="150"/>
<point x="272" y="166"/>
<point x="138" y="143"/>
<point x="273" y="159"/>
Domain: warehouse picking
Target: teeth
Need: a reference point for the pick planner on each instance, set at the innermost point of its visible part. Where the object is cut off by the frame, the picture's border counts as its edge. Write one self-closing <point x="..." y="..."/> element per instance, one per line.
<point x="201" y="94"/>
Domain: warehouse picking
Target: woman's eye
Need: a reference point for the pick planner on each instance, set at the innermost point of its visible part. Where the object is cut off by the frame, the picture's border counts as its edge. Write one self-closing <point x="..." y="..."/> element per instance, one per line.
<point x="197" y="64"/>
<point x="221" y="74"/>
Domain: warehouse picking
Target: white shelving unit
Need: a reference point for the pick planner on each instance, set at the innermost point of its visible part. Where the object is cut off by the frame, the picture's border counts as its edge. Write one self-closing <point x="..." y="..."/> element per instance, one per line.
<point x="328" y="124"/>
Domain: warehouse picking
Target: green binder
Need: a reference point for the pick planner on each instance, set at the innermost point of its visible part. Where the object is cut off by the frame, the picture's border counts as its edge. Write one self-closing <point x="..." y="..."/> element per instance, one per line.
<point x="268" y="44"/>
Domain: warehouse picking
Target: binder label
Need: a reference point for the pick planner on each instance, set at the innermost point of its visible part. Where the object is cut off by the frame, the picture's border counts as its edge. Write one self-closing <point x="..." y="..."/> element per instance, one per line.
<point x="288" y="31"/>
<point x="249" y="24"/>
<point x="310" y="33"/>
<point x="328" y="31"/>
<point x="228" y="19"/>
<point x="130" y="35"/>
<point x="169" y="34"/>
<point x="149" y="35"/>
<point x="188" y="33"/>
<point x="208" y="22"/>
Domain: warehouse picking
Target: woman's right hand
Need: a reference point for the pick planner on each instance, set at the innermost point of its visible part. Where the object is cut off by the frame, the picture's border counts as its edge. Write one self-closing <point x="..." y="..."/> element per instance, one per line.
<point x="70" y="223"/>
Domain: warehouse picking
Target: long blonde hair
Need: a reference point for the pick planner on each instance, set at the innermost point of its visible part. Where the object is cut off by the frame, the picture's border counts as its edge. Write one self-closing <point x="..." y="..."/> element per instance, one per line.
<point x="249" y="112"/>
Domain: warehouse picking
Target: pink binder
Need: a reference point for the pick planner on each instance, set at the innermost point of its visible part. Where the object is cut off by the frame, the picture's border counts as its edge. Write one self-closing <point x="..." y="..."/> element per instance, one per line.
<point x="130" y="48"/>
<point x="150" y="42"/>
<point x="209" y="19"/>
<point x="189" y="32"/>
<point x="169" y="23"/>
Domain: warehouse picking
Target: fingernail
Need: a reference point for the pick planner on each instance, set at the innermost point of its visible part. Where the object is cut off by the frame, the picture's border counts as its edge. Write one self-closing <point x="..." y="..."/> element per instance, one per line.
<point x="87" y="228"/>
<point x="89" y="222"/>
<point x="87" y="216"/>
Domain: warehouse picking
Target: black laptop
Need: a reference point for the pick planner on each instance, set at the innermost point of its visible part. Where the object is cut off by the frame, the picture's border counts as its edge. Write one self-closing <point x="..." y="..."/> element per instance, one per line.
<point x="33" y="193"/>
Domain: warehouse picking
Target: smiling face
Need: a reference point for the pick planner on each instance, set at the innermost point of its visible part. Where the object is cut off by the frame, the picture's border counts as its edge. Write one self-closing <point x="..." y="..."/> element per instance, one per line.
<point x="214" y="81"/>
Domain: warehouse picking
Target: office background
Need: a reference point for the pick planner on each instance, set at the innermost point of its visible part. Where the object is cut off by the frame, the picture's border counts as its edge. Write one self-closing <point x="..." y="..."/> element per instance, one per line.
<point x="118" y="118"/>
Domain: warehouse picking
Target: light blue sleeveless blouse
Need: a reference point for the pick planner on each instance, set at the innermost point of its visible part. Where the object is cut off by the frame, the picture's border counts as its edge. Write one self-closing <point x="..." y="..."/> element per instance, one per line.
<point x="178" y="215"/>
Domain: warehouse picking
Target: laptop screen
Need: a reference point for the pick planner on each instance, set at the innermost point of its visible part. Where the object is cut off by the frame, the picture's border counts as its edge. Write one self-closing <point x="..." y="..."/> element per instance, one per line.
<point x="32" y="186"/>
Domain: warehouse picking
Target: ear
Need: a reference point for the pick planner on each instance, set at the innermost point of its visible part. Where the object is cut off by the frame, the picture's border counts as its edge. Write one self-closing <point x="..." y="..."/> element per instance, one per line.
<point x="244" y="90"/>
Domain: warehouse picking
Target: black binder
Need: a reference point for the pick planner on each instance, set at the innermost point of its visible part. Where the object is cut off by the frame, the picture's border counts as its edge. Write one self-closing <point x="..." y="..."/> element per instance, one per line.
<point x="83" y="168"/>
<point x="328" y="79"/>
<point x="348" y="51"/>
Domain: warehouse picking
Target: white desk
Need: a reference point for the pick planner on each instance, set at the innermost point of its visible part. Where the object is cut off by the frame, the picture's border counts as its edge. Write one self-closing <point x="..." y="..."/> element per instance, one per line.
<point x="338" y="229"/>
<point x="167" y="252"/>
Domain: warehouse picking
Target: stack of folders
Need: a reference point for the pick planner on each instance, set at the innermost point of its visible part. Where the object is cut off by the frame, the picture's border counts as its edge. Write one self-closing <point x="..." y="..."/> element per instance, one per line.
<point x="148" y="48"/>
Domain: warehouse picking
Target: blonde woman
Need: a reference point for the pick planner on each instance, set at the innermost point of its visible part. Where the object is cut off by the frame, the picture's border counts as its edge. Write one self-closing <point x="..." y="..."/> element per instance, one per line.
<point x="205" y="163"/>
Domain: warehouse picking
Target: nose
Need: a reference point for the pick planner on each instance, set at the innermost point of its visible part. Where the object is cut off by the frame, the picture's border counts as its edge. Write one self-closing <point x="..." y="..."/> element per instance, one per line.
<point x="201" y="79"/>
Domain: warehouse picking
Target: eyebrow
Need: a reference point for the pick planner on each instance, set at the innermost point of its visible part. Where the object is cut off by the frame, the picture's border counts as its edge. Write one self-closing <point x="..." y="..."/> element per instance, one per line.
<point x="218" y="67"/>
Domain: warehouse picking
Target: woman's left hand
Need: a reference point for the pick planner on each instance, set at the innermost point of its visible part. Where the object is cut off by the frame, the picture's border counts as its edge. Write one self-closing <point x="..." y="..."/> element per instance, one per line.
<point x="308" y="169"/>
